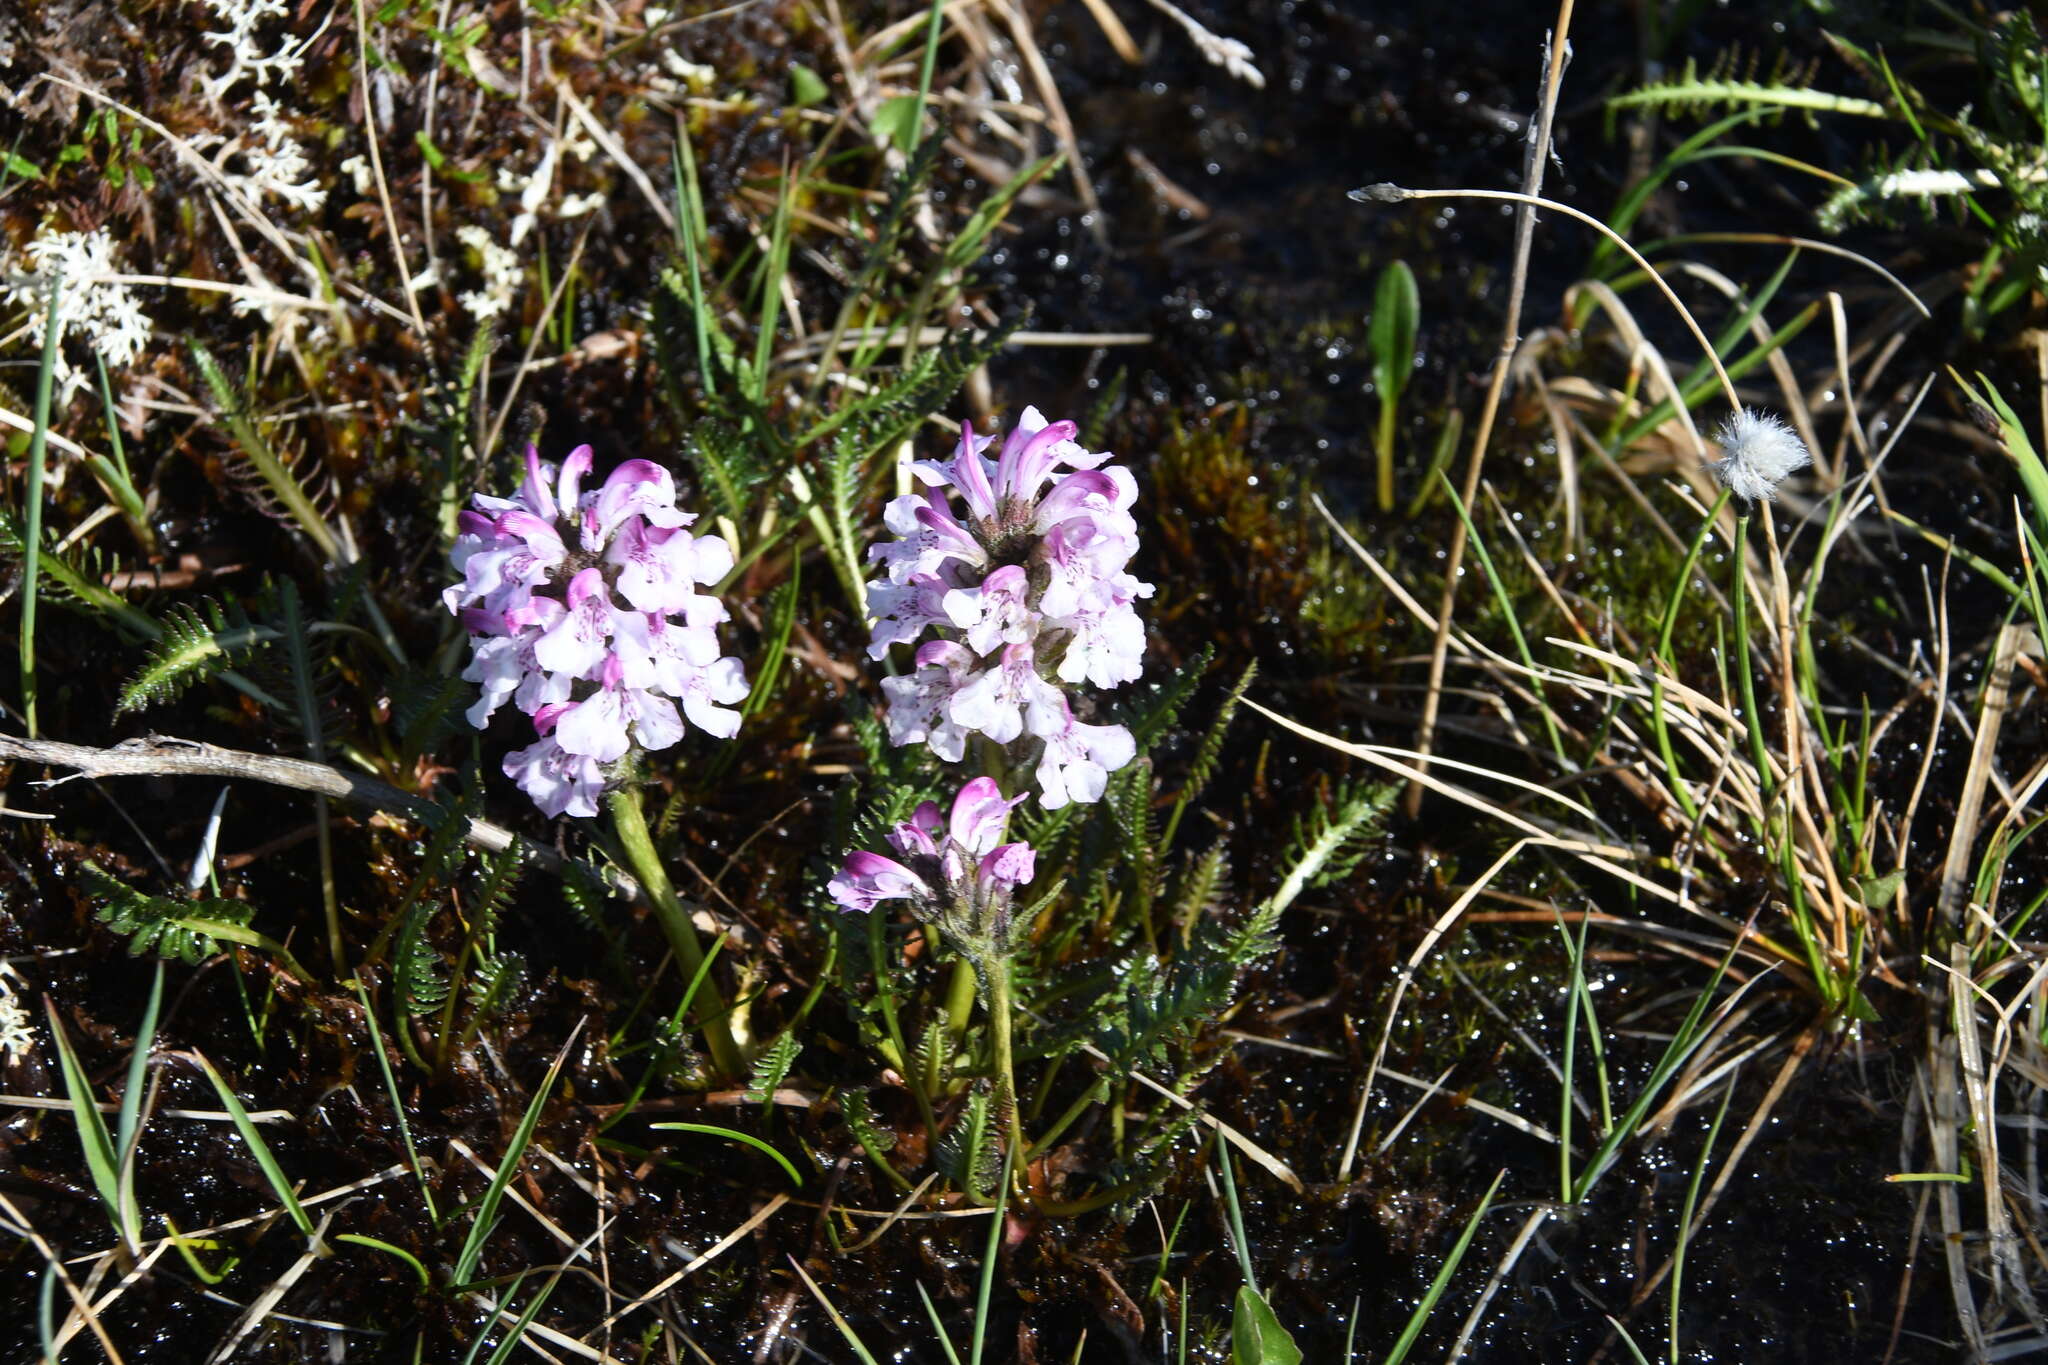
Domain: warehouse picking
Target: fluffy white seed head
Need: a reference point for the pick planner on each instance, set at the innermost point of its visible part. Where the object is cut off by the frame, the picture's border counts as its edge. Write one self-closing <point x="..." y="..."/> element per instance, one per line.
<point x="1757" y="451"/>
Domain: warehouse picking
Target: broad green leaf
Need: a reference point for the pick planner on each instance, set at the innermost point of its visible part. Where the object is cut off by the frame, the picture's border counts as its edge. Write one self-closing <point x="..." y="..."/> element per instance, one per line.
<point x="805" y="88"/>
<point x="898" y="119"/>
<point x="1256" y="1336"/>
<point x="1396" y="319"/>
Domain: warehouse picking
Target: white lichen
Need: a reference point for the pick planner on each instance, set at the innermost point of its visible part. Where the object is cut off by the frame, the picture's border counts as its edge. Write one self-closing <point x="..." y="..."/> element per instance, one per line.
<point x="106" y="314"/>
<point x="501" y="272"/>
<point x="357" y="169"/>
<point x="273" y="163"/>
<point x="15" y="1039"/>
<point x="249" y="57"/>
<point x="1757" y="451"/>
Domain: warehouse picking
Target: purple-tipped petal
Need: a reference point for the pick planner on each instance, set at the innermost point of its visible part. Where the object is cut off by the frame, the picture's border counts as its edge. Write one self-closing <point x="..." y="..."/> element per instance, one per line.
<point x="1010" y="865"/>
<point x="979" y="814"/>
<point x="868" y="879"/>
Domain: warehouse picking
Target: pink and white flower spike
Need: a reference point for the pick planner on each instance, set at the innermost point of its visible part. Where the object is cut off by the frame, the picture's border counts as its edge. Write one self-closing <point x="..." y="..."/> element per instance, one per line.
<point x="1015" y="595"/>
<point x="584" y="612"/>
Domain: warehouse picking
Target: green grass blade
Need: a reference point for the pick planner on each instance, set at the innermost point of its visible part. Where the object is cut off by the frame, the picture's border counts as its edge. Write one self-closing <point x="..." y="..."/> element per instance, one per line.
<point x="2033" y="473"/>
<point x="990" y="1253"/>
<point x="1509" y="615"/>
<point x="138" y="1065"/>
<point x="1692" y="1197"/>
<point x="378" y="1244"/>
<point x="412" y="1155"/>
<point x="1674" y="1055"/>
<point x="258" y="1148"/>
<point x="1420" y="1317"/>
<point x="737" y="1136"/>
<point x="1239" y="1243"/>
<point x="128" y="1126"/>
<point x="32" y="533"/>
<point x="487" y="1207"/>
<point x="938" y="1328"/>
<point x="101" y="1162"/>
<point x="513" y="1337"/>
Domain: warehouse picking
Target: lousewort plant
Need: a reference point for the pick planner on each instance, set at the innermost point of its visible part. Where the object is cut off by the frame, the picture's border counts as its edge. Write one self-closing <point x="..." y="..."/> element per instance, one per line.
<point x="959" y="875"/>
<point x="1012" y="599"/>
<point x="1021" y="594"/>
<point x="583" y="611"/>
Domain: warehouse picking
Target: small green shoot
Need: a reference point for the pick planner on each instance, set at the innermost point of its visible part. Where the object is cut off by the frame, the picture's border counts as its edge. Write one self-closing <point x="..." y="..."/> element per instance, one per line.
<point x="1396" y="319"/>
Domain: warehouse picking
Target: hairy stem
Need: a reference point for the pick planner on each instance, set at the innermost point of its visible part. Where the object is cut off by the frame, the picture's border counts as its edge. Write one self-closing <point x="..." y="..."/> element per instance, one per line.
<point x="997" y="978"/>
<point x="629" y="821"/>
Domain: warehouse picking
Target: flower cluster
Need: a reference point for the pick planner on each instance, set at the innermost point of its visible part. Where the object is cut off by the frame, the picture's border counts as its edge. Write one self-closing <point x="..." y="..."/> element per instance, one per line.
<point x="956" y="871"/>
<point x="1025" y="591"/>
<point x="583" y="612"/>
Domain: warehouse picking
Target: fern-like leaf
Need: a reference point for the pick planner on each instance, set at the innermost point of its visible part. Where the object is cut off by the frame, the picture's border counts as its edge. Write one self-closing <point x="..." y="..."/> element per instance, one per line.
<point x="727" y="465"/>
<point x="492" y="890"/>
<point x="969" y="1153"/>
<point x="285" y="485"/>
<point x="426" y="710"/>
<point x="1197" y="890"/>
<point x="491" y="985"/>
<point x="1722" y="86"/>
<point x="771" y="1069"/>
<point x="182" y="931"/>
<point x="193" y="643"/>
<point x="416" y="979"/>
<point x="1204" y="765"/>
<point x="1329" y="843"/>
<point x="860" y="1119"/>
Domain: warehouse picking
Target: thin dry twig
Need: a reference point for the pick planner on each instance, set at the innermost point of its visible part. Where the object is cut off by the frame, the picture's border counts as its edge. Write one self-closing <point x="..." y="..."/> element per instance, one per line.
<point x="1555" y="55"/>
<point x="165" y="756"/>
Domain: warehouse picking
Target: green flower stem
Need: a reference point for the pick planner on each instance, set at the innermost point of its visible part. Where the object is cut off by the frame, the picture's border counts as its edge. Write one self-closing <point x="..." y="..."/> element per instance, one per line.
<point x="960" y="992"/>
<point x="629" y="819"/>
<point x="1086" y="1100"/>
<point x="1745" y="680"/>
<point x="32" y="530"/>
<point x="997" y="984"/>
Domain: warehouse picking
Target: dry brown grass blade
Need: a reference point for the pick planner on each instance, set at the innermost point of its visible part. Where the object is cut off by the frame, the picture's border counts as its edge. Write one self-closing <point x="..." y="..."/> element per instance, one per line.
<point x="1955" y="870"/>
<point x="412" y="302"/>
<point x="1501" y="1270"/>
<point x="704" y="1258"/>
<point x="1019" y="25"/>
<point x="1114" y="30"/>
<point x="81" y="1306"/>
<point x="1939" y="1088"/>
<point x="260" y="1307"/>
<point x="1555" y="54"/>
<point x="162" y="755"/>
